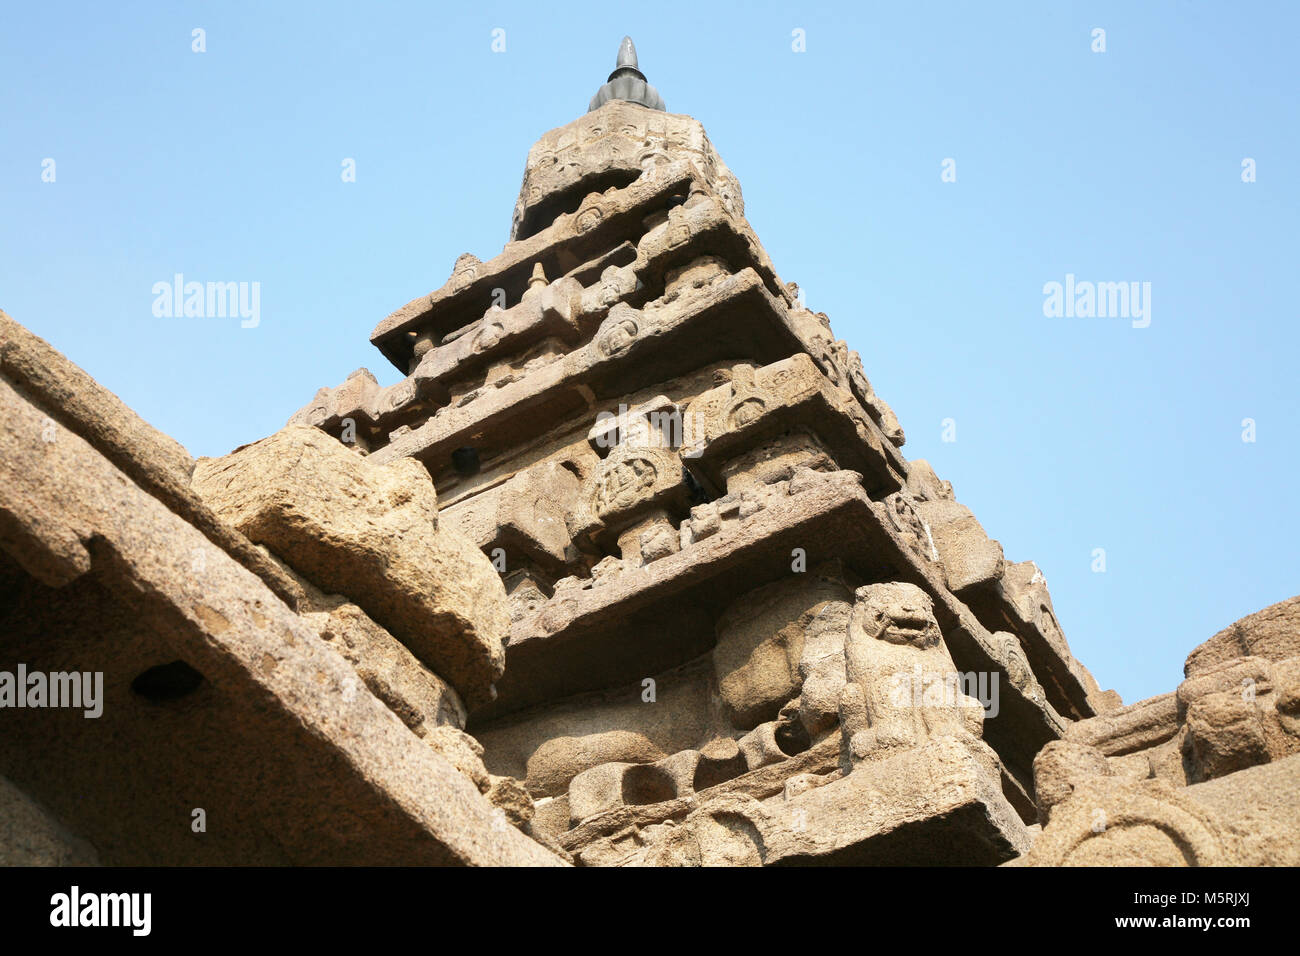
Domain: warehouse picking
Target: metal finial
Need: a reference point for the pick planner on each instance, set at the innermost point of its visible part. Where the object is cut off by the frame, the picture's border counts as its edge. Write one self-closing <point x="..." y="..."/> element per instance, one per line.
<point x="627" y="53"/>
<point x="627" y="82"/>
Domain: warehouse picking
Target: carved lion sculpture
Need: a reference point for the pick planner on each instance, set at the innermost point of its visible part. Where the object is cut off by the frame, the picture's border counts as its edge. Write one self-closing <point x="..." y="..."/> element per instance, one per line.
<point x="902" y="684"/>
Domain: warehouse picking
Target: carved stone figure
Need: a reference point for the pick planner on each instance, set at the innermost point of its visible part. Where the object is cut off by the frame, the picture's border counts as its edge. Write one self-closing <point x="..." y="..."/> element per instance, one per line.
<point x="902" y="684"/>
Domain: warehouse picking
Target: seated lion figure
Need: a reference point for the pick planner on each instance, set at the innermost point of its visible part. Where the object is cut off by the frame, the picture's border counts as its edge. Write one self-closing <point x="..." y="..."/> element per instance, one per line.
<point x="902" y="686"/>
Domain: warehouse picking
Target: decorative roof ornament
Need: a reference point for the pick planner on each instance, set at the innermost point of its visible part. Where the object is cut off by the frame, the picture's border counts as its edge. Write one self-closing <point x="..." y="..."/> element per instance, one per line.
<point x="627" y="83"/>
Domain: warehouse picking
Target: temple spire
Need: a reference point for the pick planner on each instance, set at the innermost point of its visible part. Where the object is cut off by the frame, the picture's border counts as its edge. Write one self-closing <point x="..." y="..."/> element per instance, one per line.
<point x="627" y="82"/>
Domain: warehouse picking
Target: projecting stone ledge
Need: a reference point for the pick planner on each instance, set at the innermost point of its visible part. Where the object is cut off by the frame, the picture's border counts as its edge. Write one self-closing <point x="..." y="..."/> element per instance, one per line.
<point x="216" y="696"/>
<point x="938" y="804"/>
<point x="643" y="230"/>
<point x="624" y="623"/>
<point x="634" y="348"/>
<point x="573" y="239"/>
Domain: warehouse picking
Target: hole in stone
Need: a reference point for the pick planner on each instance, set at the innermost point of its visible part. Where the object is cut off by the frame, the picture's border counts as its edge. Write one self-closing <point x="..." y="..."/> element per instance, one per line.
<point x="699" y="494"/>
<point x="167" y="681"/>
<point x="574" y="468"/>
<point x="465" y="461"/>
<point x="792" y="738"/>
<point x="644" y="784"/>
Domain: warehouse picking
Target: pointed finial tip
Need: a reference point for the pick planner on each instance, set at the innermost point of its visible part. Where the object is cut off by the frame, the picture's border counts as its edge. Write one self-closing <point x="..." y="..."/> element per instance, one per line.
<point x="627" y="53"/>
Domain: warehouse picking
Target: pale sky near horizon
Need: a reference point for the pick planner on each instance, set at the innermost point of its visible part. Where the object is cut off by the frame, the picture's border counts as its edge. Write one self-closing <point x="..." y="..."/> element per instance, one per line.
<point x="1072" y="434"/>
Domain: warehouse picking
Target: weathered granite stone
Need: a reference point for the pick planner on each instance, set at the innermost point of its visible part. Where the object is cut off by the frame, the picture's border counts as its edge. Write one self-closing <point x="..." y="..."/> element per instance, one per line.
<point x="548" y="746"/>
<point x="370" y="533"/>
<point x="1204" y="776"/>
<point x="268" y="733"/>
<point x="512" y="799"/>
<point x="759" y="658"/>
<point x="462" y="751"/>
<point x="417" y="695"/>
<point x="756" y="405"/>
<point x="1273" y="633"/>
<point x="1110" y="821"/>
<point x="1062" y="766"/>
<point x="29" y="836"/>
<point x="970" y="559"/>
<point x="1130" y="728"/>
<point x="619" y="139"/>
<point x="527" y="516"/>
<point x="929" y="805"/>
<point x="1247" y="819"/>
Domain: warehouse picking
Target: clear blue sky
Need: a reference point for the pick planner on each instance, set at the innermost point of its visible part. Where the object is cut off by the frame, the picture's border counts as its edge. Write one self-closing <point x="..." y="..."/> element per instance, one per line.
<point x="1072" y="433"/>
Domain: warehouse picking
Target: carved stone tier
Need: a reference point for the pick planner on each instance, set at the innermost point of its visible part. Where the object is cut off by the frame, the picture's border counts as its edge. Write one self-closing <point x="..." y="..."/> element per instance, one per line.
<point x="614" y="145"/>
<point x="622" y="626"/>
<point x="665" y="217"/>
<point x="732" y="317"/>
<point x="931" y="805"/>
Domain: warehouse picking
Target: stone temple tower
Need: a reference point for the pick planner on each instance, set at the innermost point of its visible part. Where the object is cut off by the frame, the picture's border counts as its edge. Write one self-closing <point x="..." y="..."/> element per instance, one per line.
<point x="743" y="627"/>
<point x="627" y="569"/>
